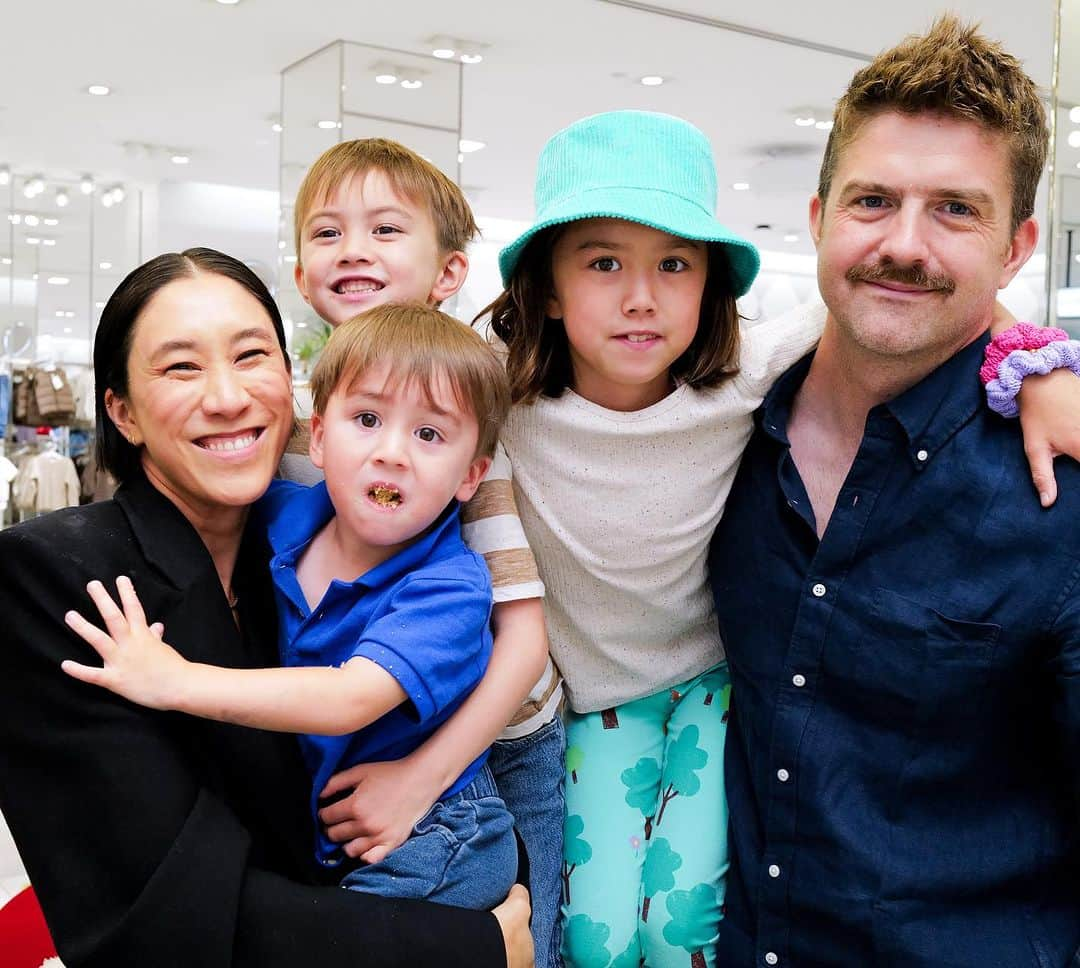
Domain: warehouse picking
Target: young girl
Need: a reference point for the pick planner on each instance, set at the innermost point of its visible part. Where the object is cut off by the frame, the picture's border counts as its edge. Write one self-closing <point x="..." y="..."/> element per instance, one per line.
<point x="633" y="400"/>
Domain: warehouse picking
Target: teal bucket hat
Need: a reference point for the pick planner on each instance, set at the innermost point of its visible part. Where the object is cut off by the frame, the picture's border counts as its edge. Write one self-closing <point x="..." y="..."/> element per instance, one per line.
<point x="636" y="165"/>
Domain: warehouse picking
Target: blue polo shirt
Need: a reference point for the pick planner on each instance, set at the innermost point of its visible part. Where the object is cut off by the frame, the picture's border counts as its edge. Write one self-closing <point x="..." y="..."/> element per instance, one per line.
<point x="903" y="752"/>
<point x="423" y="616"/>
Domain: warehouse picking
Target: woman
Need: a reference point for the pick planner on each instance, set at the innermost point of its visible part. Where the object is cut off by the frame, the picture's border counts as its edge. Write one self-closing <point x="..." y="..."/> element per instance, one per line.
<point x="158" y="839"/>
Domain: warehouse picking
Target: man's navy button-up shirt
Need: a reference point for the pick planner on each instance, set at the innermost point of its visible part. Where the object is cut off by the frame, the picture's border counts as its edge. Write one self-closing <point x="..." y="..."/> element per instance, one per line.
<point x="904" y="742"/>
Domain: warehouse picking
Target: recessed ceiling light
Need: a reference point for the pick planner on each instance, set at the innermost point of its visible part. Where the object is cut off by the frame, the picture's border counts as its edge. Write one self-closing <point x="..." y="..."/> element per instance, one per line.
<point x="276" y="127"/>
<point x="651" y="80"/>
<point x="5" y="175"/>
<point x="62" y="198"/>
<point x="791" y="237"/>
<point x="98" y="90"/>
<point x="290" y="258"/>
<point x="15" y="218"/>
<point x="386" y="78"/>
<point x="302" y="325"/>
<point x="411" y="85"/>
<point x="741" y="186"/>
<point x="1074" y="139"/>
<point x="33" y="240"/>
<point x="281" y="243"/>
<point x="100" y="304"/>
<point x="444" y="53"/>
<point x="1074" y="114"/>
<point x="805" y="122"/>
<point x="467" y="145"/>
<point x="6" y="260"/>
<point x="69" y="314"/>
<point x="328" y="125"/>
<point x="180" y="159"/>
<point x="104" y="265"/>
<point x="50" y="221"/>
<point x="823" y="125"/>
<point x="228" y="3"/>
<point x="48" y="241"/>
<point x="86" y="185"/>
<point x="32" y="220"/>
<point x="471" y="58"/>
<point x="59" y="314"/>
<point x="58" y="280"/>
<point x="67" y="329"/>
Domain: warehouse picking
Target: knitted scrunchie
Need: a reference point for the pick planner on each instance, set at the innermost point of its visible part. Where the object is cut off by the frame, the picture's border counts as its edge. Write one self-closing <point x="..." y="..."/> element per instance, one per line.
<point x="1001" y="392"/>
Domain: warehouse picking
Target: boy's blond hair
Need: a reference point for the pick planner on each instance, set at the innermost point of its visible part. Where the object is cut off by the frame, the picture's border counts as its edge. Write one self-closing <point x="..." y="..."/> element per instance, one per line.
<point x="954" y="71"/>
<point x="420" y="344"/>
<point x="409" y="175"/>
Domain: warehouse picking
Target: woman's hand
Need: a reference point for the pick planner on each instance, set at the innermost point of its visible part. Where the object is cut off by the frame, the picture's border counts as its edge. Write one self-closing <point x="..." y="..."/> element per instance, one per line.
<point x="387" y="800"/>
<point x="138" y="665"/>
<point x="1050" y="418"/>
<point x="513" y="917"/>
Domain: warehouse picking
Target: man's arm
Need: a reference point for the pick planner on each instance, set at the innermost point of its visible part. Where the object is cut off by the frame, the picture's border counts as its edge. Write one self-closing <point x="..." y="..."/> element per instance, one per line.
<point x="134" y="860"/>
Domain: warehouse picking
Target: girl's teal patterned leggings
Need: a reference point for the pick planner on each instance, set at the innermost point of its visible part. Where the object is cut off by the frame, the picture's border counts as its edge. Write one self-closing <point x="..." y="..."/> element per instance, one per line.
<point x="645" y="849"/>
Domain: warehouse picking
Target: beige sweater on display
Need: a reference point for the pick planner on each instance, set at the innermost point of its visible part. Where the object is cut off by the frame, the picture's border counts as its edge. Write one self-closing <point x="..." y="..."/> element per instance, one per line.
<point x="619" y="509"/>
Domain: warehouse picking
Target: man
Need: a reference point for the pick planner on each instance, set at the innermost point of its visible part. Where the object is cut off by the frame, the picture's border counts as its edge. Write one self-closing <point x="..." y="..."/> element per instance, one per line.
<point x="901" y="618"/>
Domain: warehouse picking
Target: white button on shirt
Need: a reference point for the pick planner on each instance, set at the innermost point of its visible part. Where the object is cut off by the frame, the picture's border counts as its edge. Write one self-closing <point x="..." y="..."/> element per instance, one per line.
<point x="782" y="775"/>
<point x="798" y="680"/>
<point x="818" y="590"/>
<point x="922" y="455"/>
<point x="774" y="871"/>
<point x="771" y="958"/>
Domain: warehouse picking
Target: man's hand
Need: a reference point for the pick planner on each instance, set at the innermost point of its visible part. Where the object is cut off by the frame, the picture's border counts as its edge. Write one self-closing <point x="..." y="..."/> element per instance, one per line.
<point x="386" y="802"/>
<point x="138" y="665"/>
<point x="1050" y="417"/>
<point x="513" y="917"/>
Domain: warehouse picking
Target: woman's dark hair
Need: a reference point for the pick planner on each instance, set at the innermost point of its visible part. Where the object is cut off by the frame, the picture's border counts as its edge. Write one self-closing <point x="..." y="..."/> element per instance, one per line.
<point x="112" y="343"/>
<point x="538" y="353"/>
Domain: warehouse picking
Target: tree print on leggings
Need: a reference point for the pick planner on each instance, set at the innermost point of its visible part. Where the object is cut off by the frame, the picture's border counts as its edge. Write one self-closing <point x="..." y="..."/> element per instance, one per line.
<point x="575" y="757"/>
<point x="693" y="921"/>
<point x="576" y="850"/>
<point x="684" y="759"/>
<point x="658" y="872"/>
<point x="641" y="782"/>
<point x="586" y="941"/>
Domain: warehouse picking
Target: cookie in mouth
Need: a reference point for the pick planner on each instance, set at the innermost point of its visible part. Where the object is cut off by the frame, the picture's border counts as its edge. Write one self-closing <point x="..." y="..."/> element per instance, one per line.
<point x="385" y="495"/>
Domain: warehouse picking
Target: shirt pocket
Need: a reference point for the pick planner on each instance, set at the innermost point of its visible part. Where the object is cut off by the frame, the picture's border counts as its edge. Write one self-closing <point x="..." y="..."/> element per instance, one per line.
<point x="922" y="665"/>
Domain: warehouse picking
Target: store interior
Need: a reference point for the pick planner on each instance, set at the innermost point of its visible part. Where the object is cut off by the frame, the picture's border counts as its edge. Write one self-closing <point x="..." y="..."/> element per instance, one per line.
<point x="127" y="130"/>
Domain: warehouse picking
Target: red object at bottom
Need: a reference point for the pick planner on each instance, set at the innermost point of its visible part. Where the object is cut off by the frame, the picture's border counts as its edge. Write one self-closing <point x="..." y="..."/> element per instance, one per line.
<point x="24" y="936"/>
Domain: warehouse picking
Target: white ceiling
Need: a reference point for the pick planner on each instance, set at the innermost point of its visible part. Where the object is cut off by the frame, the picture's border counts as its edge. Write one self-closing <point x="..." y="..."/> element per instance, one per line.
<point x="202" y="77"/>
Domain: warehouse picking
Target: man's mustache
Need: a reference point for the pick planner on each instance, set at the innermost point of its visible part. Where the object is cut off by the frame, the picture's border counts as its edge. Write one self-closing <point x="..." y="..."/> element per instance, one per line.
<point x="914" y="275"/>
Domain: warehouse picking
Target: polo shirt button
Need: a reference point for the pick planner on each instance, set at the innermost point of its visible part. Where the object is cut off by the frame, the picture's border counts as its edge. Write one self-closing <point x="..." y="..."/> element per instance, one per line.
<point x="782" y="775"/>
<point x="922" y="455"/>
<point x="774" y="871"/>
<point x="771" y="958"/>
<point x="798" y="680"/>
<point x="819" y="590"/>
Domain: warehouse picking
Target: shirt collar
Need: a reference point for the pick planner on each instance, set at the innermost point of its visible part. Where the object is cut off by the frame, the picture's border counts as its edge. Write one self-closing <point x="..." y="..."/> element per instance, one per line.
<point x="929" y="412"/>
<point x="308" y="510"/>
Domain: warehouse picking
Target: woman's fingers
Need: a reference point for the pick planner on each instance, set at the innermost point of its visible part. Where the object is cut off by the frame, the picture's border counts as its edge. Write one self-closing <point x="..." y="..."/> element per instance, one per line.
<point x="95" y="675"/>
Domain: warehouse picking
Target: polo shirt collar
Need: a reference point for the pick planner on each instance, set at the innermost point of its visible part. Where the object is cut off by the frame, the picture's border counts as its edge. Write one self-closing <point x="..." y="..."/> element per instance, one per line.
<point x="307" y="511"/>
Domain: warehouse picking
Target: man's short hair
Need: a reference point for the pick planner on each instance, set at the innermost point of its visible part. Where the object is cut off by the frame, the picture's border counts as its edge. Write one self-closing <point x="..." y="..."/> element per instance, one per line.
<point x="954" y="71"/>
<point x="420" y="344"/>
<point x="409" y="175"/>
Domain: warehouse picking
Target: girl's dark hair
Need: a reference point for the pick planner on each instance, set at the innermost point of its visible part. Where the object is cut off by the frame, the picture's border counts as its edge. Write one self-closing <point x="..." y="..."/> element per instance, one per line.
<point x="538" y="354"/>
<point x="112" y="342"/>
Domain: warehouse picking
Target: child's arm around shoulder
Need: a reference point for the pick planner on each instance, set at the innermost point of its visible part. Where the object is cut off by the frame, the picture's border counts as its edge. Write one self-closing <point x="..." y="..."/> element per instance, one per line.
<point x="142" y="668"/>
<point x="771" y="348"/>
